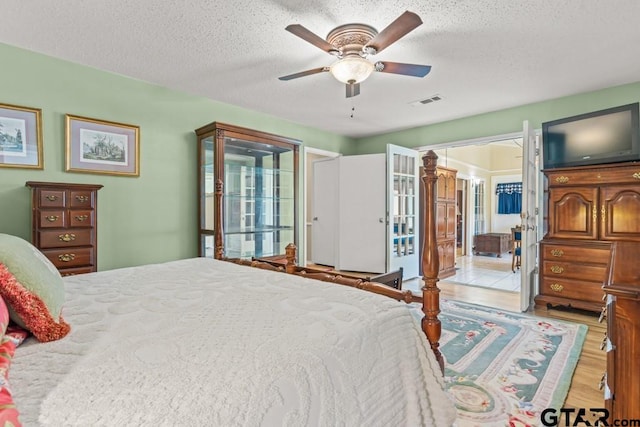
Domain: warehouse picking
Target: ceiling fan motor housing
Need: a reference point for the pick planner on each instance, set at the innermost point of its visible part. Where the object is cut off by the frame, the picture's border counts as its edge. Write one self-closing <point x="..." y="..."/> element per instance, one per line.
<point x="351" y="38"/>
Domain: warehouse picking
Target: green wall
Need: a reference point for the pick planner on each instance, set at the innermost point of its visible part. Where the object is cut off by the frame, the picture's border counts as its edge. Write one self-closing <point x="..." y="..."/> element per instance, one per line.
<point x="503" y="121"/>
<point x="152" y="218"/>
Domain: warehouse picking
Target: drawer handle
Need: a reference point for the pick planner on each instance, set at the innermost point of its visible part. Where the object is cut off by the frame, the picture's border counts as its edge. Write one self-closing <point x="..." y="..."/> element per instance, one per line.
<point x="52" y="198"/>
<point x="557" y="269"/>
<point x="562" y="179"/>
<point x="67" y="237"/>
<point x="557" y="252"/>
<point x="636" y="175"/>
<point x="556" y="287"/>
<point x="52" y="218"/>
<point x="67" y="257"/>
<point x="81" y="217"/>
<point x="82" y="199"/>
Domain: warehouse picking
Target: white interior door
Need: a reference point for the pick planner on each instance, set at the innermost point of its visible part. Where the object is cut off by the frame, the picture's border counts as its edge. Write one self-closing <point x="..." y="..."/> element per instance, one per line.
<point x="528" y="215"/>
<point x="324" y="207"/>
<point x="361" y="224"/>
<point x="402" y="210"/>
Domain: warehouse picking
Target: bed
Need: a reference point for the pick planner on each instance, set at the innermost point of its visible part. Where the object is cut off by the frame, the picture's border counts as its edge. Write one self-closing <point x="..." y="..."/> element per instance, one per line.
<point x="211" y="342"/>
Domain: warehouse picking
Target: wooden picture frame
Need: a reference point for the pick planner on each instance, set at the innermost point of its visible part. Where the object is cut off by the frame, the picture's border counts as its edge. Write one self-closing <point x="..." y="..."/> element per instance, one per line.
<point x="20" y="137"/>
<point x="102" y="147"/>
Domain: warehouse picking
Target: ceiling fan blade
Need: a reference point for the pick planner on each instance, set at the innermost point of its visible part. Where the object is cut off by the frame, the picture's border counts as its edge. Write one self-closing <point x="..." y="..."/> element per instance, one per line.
<point x="404" y="69"/>
<point x="303" y="33"/>
<point x="403" y="25"/>
<point x="304" y="73"/>
<point x="353" y="89"/>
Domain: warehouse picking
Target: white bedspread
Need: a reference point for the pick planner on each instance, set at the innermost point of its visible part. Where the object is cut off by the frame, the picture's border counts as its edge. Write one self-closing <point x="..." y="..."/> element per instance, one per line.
<point x="201" y="342"/>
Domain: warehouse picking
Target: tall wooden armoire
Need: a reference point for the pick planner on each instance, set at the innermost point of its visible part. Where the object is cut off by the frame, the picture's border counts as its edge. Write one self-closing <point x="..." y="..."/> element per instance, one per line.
<point x="446" y="213"/>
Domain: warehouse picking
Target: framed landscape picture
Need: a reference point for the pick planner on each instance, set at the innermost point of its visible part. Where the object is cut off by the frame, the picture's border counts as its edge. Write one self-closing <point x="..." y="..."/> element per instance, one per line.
<point x="99" y="146"/>
<point x="20" y="137"/>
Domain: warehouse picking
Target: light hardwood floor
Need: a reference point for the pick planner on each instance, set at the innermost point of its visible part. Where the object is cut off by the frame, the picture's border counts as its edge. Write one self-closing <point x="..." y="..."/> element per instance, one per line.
<point x="584" y="392"/>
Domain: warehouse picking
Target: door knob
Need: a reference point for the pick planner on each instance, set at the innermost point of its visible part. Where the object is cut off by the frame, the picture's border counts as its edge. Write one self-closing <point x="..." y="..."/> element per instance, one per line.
<point x="381" y="220"/>
<point x="315" y="218"/>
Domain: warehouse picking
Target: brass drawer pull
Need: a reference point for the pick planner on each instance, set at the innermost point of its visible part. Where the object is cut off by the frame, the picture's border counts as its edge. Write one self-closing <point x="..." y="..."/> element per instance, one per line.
<point x="557" y="252"/>
<point x="557" y="269"/>
<point x="81" y="217"/>
<point x="82" y="199"/>
<point x="556" y="287"/>
<point x="52" y="218"/>
<point x="67" y="237"/>
<point x="562" y="179"/>
<point x="67" y="257"/>
<point x="636" y="175"/>
<point x="52" y="198"/>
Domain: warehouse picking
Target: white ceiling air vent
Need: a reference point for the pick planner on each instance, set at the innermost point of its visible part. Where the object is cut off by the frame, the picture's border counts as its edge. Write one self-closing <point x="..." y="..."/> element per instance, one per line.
<point x="429" y="100"/>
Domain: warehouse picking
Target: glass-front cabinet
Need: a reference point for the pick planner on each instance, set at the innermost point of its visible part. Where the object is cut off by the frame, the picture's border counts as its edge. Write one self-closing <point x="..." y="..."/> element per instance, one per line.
<point x="248" y="185"/>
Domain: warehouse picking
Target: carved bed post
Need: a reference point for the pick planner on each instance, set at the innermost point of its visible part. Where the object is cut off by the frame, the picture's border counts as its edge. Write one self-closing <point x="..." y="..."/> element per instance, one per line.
<point x="218" y="241"/>
<point x="430" y="258"/>
<point x="290" y="255"/>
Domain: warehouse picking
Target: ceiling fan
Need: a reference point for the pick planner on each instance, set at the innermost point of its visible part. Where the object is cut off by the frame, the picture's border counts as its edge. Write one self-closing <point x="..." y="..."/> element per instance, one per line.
<point x="352" y="43"/>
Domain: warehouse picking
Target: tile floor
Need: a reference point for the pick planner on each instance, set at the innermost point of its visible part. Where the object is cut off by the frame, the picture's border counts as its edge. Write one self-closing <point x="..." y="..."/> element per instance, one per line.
<point x="486" y="271"/>
<point x="480" y="270"/>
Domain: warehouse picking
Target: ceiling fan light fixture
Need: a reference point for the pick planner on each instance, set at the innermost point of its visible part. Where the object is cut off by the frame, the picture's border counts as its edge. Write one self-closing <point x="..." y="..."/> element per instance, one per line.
<point x="351" y="69"/>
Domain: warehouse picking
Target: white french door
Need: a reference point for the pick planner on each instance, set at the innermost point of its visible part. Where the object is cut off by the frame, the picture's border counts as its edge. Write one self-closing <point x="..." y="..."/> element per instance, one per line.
<point x="528" y="215"/>
<point x="402" y="210"/>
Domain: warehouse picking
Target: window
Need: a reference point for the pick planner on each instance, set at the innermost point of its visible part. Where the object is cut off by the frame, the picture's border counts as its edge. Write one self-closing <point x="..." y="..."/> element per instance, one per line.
<point x="509" y="197"/>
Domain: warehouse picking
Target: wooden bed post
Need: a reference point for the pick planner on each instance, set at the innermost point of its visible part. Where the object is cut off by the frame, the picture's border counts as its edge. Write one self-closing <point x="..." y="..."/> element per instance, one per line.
<point x="290" y="255"/>
<point x="430" y="258"/>
<point x="218" y="242"/>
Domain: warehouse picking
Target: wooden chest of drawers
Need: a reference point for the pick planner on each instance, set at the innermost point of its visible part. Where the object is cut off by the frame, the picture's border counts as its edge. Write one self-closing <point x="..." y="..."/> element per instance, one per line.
<point x="64" y="224"/>
<point x="622" y="380"/>
<point x="572" y="273"/>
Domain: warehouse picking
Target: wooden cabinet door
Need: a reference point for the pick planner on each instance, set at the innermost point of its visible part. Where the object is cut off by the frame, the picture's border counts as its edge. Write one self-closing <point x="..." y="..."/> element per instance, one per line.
<point x="573" y="213"/>
<point x="620" y="210"/>
<point x="451" y="221"/>
<point x="441" y="220"/>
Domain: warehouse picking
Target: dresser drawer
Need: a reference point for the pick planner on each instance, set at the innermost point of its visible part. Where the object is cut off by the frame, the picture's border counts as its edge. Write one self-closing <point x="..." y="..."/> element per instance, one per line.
<point x="575" y="253"/>
<point x="621" y="174"/>
<point x="52" y="198"/>
<point x="66" y="238"/>
<point x="76" y="270"/>
<point x="52" y="218"/>
<point x="81" y="199"/>
<point x="581" y="290"/>
<point x="568" y="270"/>
<point x="81" y="218"/>
<point x="70" y="257"/>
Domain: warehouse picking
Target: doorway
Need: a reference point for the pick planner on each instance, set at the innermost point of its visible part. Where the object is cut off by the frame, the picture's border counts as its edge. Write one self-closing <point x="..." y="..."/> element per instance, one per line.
<point x="481" y="165"/>
<point x="310" y="155"/>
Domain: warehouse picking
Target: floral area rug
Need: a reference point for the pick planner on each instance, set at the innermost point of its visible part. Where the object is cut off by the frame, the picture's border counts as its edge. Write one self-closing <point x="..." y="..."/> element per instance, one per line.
<point x="504" y="368"/>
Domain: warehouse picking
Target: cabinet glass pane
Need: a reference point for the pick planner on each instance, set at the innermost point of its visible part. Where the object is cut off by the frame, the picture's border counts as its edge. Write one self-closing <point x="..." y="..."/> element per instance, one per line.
<point x="208" y="184"/>
<point x="207" y="246"/>
<point x="259" y="202"/>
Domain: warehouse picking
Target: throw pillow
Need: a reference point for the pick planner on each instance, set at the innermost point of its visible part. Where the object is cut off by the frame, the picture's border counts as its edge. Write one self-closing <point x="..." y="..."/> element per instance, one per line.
<point x="33" y="285"/>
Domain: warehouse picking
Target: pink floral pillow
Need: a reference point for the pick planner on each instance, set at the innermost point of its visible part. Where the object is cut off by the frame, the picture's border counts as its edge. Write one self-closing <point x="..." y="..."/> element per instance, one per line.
<point x="31" y="309"/>
<point x="8" y="343"/>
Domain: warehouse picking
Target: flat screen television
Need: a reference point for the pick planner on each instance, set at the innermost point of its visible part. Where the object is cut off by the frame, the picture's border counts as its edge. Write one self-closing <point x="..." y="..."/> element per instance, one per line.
<point x="605" y="136"/>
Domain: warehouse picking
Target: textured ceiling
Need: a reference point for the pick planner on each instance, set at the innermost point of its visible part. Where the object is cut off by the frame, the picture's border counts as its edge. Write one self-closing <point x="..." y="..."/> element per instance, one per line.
<point x="485" y="54"/>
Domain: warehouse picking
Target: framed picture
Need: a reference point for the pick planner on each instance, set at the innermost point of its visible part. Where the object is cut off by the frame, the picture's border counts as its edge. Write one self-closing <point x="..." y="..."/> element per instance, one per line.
<point x="99" y="146"/>
<point x="20" y="137"/>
